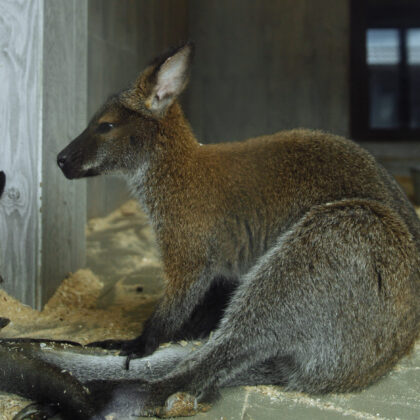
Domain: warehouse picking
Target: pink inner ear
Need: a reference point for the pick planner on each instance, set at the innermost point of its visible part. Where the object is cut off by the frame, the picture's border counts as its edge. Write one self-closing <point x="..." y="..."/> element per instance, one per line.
<point x="164" y="91"/>
<point x="171" y="76"/>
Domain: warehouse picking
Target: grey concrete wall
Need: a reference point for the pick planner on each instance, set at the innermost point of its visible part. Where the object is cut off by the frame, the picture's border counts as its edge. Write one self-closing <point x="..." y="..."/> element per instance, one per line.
<point x="124" y="35"/>
<point x="267" y="65"/>
<point x="43" y="46"/>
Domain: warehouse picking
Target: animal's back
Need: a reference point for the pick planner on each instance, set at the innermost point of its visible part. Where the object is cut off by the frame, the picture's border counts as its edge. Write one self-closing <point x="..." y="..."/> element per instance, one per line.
<point x="305" y="166"/>
<point x="277" y="178"/>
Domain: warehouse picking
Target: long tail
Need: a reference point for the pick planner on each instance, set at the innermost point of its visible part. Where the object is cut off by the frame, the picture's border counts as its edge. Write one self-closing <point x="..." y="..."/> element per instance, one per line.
<point x="85" y="383"/>
<point x="23" y="374"/>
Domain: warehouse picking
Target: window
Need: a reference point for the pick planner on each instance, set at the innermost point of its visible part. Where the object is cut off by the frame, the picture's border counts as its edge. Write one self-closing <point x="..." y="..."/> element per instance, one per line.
<point x="385" y="69"/>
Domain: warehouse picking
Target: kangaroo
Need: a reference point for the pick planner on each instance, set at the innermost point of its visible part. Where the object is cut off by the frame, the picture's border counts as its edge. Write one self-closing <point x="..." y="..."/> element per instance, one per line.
<point x="297" y="250"/>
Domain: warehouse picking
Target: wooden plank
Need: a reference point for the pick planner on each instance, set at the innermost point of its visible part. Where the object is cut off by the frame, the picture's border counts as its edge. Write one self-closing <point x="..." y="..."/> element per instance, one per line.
<point x="64" y="116"/>
<point x="43" y="105"/>
<point x="20" y="146"/>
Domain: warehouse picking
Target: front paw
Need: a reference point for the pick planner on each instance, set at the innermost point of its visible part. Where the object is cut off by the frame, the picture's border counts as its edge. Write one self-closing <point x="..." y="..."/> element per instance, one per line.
<point x="180" y="404"/>
<point x="39" y="411"/>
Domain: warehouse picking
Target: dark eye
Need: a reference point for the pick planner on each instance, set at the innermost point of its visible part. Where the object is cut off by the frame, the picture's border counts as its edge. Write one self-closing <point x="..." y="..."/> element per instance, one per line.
<point x="105" y="127"/>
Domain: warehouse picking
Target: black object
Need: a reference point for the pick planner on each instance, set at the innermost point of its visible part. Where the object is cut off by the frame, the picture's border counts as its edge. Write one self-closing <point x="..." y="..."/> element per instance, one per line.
<point x="415" y="177"/>
<point x="2" y="182"/>
<point x="4" y="322"/>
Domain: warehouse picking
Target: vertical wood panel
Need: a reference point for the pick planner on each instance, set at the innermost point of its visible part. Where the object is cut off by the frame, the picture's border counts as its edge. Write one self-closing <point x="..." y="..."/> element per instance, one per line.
<point x="20" y="123"/>
<point x="267" y="65"/>
<point x="124" y="35"/>
<point x="43" y="47"/>
<point x="64" y="116"/>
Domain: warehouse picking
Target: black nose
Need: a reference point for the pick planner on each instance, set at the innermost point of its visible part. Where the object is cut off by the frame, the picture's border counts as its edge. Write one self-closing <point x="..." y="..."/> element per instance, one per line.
<point x="61" y="160"/>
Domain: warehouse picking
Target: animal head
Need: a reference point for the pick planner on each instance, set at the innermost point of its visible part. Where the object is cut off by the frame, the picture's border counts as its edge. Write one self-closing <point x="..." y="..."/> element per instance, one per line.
<point x="127" y="129"/>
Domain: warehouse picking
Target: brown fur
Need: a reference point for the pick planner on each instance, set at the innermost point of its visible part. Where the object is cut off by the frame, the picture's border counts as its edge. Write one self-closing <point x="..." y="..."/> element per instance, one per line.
<point x="299" y="203"/>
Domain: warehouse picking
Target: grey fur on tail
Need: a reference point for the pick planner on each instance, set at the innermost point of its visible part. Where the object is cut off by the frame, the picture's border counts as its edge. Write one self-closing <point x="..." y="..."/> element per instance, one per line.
<point x="85" y="383"/>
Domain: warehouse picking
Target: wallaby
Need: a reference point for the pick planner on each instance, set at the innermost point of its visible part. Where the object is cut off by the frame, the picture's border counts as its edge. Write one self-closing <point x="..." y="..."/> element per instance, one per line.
<point x="297" y="249"/>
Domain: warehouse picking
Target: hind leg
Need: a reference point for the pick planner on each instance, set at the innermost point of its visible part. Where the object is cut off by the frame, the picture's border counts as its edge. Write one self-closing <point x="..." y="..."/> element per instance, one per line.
<point x="208" y="313"/>
<point x="317" y="305"/>
<point x="274" y="371"/>
<point x="204" y="319"/>
<point x="241" y="342"/>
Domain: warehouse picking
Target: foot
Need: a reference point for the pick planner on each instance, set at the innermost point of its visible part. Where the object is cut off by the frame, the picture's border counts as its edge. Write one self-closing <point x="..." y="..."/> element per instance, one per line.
<point x="179" y="404"/>
<point x="37" y="411"/>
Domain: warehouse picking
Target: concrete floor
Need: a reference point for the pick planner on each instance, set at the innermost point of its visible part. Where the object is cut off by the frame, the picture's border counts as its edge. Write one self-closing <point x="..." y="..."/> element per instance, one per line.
<point x="122" y="250"/>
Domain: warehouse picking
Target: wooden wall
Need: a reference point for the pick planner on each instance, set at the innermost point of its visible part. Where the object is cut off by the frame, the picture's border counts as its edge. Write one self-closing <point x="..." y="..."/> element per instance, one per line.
<point x="64" y="116"/>
<point x="20" y="146"/>
<point x="124" y="35"/>
<point x="42" y="105"/>
<point x="262" y="66"/>
<point x="267" y="65"/>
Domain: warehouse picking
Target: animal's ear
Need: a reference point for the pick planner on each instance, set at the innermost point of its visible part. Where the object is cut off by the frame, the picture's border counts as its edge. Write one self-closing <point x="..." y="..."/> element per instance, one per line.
<point x="166" y="78"/>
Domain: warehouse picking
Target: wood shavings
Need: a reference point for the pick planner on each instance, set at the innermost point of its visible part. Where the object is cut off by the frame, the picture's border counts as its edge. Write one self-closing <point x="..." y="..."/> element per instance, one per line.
<point x="79" y="290"/>
<point x="86" y="307"/>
